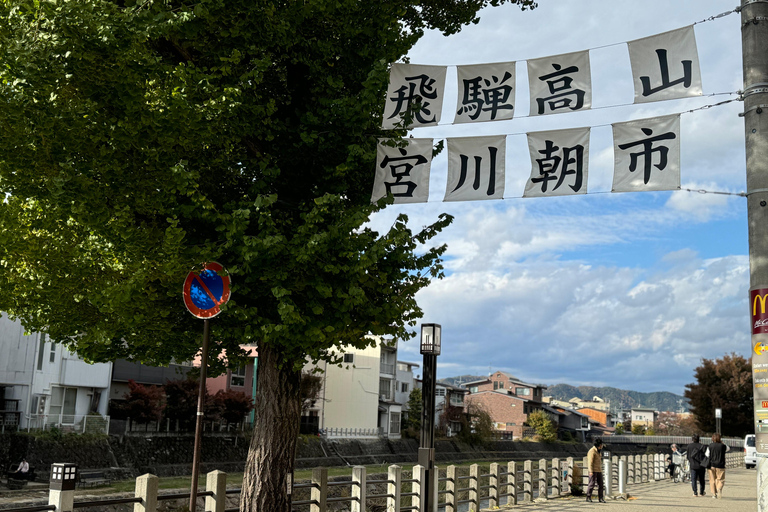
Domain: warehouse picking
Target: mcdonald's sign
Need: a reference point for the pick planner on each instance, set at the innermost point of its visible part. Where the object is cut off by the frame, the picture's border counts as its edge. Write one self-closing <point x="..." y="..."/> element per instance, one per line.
<point x="759" y="301"/>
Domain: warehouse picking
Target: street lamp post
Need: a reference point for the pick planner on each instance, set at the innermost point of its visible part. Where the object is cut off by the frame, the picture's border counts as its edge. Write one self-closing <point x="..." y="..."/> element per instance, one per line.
<point x="430" y="348"/>
<point x="718" y="418"/>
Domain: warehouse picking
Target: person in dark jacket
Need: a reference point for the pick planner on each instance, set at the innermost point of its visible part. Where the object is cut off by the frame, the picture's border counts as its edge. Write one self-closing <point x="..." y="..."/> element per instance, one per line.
<point x="716" y="452"/>
<point x="695" y="453"/>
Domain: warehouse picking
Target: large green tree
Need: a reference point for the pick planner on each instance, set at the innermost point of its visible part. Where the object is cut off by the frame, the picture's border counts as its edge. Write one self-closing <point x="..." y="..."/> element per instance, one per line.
<point x="142" y="138"/>
<point x="725" y="384"/>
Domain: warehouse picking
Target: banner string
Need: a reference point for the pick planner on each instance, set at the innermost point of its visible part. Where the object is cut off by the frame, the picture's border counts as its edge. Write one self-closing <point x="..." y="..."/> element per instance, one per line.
<point x="596" y="192"/>
<point x="703" y="107"/>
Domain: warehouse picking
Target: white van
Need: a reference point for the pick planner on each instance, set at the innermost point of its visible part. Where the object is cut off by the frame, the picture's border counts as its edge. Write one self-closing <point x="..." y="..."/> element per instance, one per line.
<point x="750" y="453"/>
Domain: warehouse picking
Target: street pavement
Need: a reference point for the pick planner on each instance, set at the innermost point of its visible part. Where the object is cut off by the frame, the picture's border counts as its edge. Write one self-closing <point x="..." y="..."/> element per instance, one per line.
<point x="739" y="495"/>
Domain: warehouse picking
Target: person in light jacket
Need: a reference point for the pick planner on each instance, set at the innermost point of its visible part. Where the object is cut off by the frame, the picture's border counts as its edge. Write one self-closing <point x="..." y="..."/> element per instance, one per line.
<point x="595" y="467"/>
<point x="716" y="452"/>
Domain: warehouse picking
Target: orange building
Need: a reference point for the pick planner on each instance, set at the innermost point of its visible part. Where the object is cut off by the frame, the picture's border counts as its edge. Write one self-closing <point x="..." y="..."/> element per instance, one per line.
<point x="602" y="417"/>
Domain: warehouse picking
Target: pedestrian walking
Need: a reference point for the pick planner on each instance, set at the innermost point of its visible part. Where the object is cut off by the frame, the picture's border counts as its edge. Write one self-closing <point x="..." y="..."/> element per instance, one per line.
<point x="716" y="453"/>
<point x="698" y="462"/>
<point x="595" y="465"/>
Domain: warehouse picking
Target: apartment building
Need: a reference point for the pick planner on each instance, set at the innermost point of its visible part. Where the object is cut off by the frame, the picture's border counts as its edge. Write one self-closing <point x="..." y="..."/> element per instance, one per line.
<point x="507" y="411"/>
<point x="502" y="381"/>
<point x="362" y="396"/>
<point x="449" y="407"/>
<point x="44" y="384"/>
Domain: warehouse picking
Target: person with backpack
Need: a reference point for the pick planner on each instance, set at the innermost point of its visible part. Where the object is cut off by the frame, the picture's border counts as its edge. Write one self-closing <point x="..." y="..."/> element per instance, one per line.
<point x="716" y="453"/>
<point x="698" y="461"/>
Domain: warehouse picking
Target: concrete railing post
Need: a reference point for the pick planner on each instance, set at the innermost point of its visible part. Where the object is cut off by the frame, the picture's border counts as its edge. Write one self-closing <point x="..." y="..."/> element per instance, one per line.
<point x="584" y="473"/>
<point x="359" y="477"/>
<point x="647" y="469"/>
<point x="146" y="489"/>
<point x="493" y="486"/>
<point x="527" y="481"/>
<point x="543" y="480"/>
<point x="607" y="478"/>
<point x="394" y="477"/>
<point x="319" y="492"/>
<point x="511" y="483"/>
<point x="450" y="489"/>
<point x="623" y="476"/>
<point x="64" y="501"/>
<point x="556" y="478"/>
<point x="418" y="488"/>
<point x="474" y="485"/>
<point x="569" y="474"/>
<point x="216" y="482"/>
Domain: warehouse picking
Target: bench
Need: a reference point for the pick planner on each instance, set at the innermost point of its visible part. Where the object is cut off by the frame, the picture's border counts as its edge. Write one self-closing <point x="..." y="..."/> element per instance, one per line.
<point x="91" y="478"/>
<point x="18" y="480"/>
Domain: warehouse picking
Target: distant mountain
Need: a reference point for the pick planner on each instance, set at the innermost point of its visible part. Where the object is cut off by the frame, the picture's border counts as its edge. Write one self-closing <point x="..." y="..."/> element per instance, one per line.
<point x="462" y="379"/>
<point x="621" y="398"/>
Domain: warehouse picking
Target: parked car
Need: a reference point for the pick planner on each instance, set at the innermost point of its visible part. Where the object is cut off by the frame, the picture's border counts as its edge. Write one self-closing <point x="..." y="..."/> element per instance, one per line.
<point x="750" y="452"/>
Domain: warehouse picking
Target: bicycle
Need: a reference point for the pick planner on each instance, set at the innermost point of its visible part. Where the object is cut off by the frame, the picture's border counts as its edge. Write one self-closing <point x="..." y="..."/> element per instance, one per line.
<point x="682" y="471"/>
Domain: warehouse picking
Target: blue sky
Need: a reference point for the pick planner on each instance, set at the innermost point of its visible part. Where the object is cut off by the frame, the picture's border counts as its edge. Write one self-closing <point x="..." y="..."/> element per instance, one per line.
<point x="626" y="290"/>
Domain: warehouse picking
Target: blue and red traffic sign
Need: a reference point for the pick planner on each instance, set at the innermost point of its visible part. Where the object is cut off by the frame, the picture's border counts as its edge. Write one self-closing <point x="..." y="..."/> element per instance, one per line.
<point x="206" y="291"/>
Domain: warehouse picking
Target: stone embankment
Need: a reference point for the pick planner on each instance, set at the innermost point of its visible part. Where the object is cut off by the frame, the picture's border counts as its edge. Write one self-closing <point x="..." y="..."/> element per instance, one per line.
<point x="169" y="455"/>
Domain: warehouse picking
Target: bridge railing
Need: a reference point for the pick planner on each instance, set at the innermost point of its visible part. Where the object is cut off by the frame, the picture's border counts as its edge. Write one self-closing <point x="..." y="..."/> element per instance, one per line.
<point x="480" y="487"/>
<point x="733" y="442"/>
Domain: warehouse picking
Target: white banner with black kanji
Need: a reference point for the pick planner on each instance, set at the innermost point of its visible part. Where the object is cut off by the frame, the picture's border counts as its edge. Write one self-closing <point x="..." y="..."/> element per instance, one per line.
<point x="476" y="168"/>
<point x="561" y="83"/>
<point x="486" y="92"/>
<point x="403" y="171"/>
<point x="646" y="154"/>
<point x="559" y="163"/>
<point x="665" y="66"/>
<point x="416" y="89"/>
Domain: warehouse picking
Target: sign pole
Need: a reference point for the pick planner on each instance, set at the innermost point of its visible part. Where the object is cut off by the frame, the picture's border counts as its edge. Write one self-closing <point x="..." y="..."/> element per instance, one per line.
<point x="754" y="41"/>
<point x="200" y="413"/>
<point x="204" y="293"/>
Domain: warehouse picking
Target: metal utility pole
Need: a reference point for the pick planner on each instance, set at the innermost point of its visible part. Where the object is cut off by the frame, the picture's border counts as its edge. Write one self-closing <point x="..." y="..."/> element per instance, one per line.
<point x="754" y="39"/>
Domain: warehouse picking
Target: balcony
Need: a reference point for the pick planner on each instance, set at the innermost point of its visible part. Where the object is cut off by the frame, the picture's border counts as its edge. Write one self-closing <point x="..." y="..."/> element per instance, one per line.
<point x="386" y="368"/>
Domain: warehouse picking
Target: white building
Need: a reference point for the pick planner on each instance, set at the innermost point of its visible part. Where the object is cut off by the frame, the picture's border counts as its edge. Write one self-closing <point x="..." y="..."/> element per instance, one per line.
<point x="359" y="399"/>
<point x="404" y="382"/>
<point x="43" y="384"/>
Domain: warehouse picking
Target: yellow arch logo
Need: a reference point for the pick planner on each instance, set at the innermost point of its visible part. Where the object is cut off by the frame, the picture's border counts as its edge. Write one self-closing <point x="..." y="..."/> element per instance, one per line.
<point x="762" y="299"/>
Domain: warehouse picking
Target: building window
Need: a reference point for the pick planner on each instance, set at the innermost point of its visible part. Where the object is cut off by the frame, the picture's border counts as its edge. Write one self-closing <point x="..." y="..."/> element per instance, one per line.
<point x="384" y="389"/>
<point x="473" y="389"/>
<point x="403" y="387"/>
<point x="41" y="352"/>
<point x="238" y="376"/>
<point x="510" y="424"/>
<point x="349" y="358"/>
<point x="440" y="392"/>
<point x="394" y="423"/>
<point x="523" y="391"/>
<point x="53" y="352"/>
<point x="497" y="385"/>
<point x="63" y="402"/>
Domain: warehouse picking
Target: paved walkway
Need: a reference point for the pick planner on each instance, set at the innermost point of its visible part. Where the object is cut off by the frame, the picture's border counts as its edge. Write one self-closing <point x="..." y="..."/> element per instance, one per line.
<point x="739" y="495"/>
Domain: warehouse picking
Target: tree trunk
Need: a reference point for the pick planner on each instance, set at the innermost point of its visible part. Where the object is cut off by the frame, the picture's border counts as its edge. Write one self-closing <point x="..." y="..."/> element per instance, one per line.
<point x="269" y="469"/>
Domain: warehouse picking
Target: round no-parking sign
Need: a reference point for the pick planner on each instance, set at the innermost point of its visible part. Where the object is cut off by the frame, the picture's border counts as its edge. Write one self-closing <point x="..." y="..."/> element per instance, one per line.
<point x="206" y="291"/>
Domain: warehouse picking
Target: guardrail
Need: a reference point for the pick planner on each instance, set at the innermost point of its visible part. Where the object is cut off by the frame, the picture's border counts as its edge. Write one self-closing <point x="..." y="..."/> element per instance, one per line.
<point x="491" y="486"/>
<point x="733" y="442"/>
<point x="77" y="423"/>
